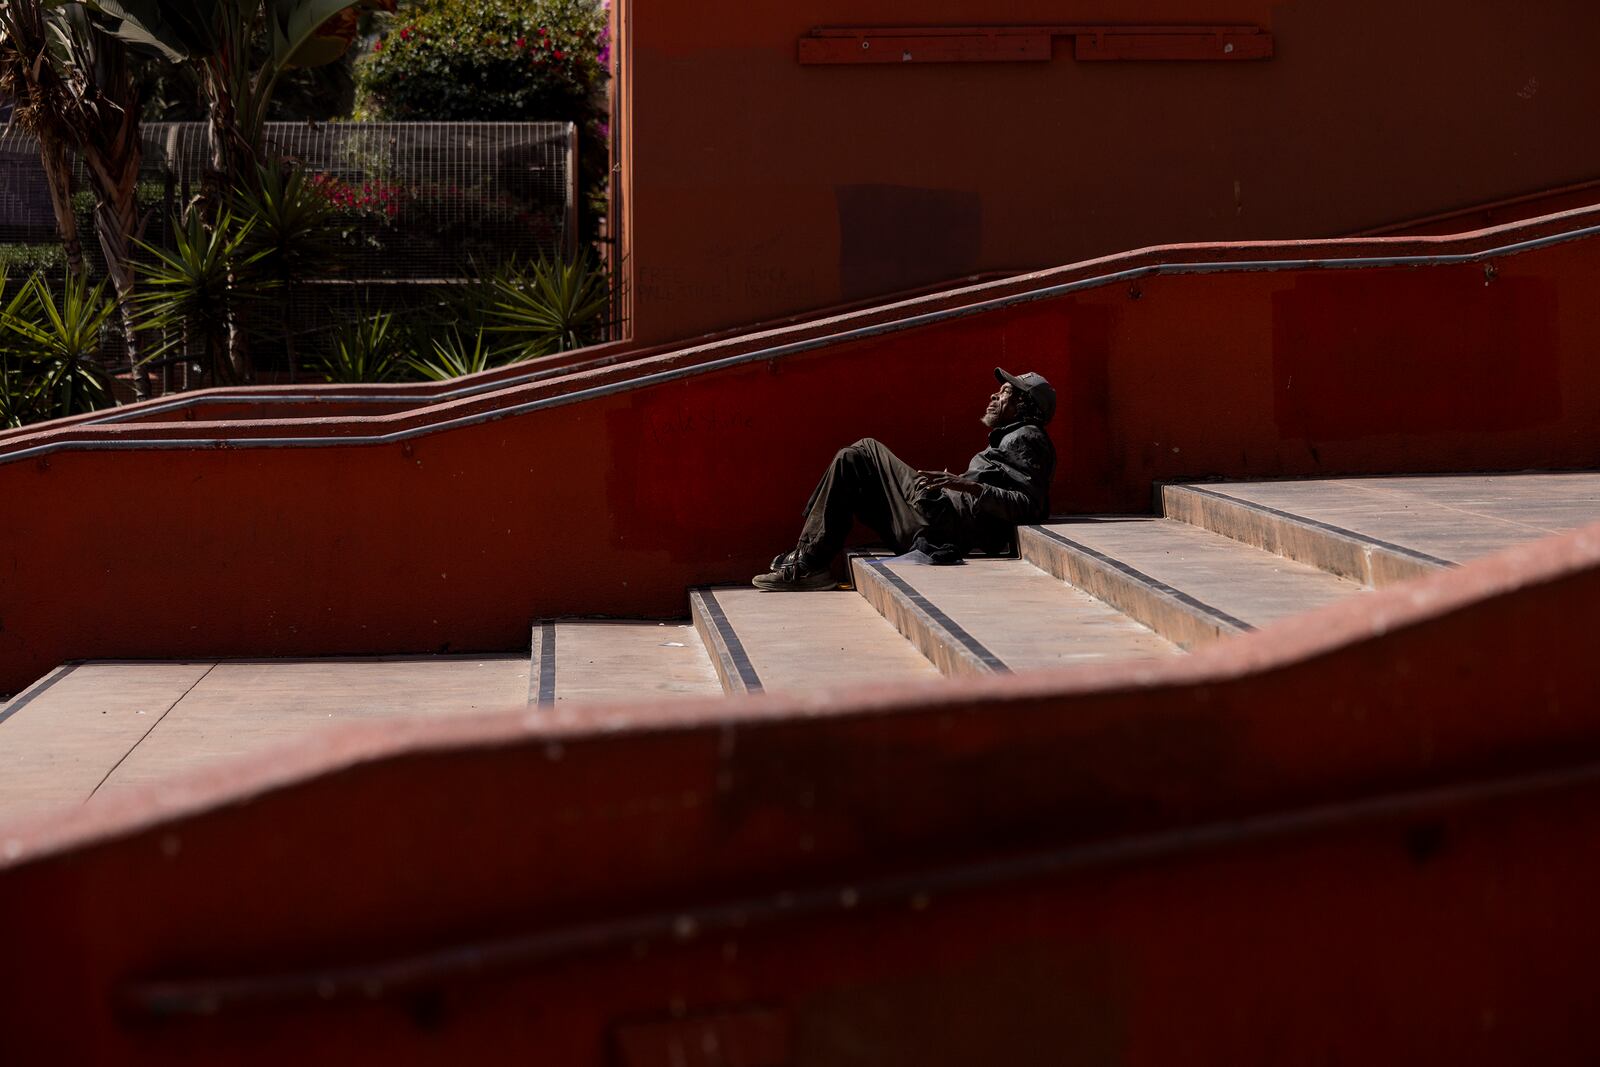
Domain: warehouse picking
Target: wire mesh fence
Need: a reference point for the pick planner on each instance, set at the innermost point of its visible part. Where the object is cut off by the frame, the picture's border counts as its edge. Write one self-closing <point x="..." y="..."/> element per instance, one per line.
<point x="425" y="200"/>
<point x="422" y="204"/>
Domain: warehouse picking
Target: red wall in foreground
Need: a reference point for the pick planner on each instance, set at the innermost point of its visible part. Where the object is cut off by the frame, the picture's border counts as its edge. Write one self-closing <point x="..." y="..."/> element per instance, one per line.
<point x="614" y="504"/>
<point x="1357" y="836"/>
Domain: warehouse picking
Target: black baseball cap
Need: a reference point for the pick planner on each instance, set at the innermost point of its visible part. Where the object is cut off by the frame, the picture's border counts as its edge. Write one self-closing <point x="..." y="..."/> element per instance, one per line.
<point x="1034" y="387"/>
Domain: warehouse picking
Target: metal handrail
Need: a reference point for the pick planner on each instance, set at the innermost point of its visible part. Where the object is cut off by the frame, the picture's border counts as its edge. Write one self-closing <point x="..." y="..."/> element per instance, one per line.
<point x="812" y="344"/>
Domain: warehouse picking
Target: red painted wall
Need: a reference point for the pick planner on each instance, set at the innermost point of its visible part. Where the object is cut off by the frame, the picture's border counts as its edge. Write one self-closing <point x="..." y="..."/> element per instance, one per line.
<point x="753" y="186"/>
<point x="615" y="502"/>
<point x="1350" y="838"/>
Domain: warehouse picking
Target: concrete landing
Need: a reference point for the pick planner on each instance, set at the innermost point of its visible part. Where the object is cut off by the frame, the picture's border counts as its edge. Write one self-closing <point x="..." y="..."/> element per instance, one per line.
<point x="61" y="738"/>
<point x="91" y="730"/>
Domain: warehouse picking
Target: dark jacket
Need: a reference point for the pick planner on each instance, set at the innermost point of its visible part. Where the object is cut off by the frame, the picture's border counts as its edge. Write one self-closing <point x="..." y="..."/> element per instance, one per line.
<point x="1015" y="471"/>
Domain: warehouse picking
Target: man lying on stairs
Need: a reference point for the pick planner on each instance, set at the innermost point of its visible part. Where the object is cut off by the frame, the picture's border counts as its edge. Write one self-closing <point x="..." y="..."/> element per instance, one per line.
<point x="939" y="514"/>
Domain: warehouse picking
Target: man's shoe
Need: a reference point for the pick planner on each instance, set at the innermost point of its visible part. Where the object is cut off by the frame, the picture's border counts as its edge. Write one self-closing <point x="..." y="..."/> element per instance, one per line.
<point x="794" y="576"/>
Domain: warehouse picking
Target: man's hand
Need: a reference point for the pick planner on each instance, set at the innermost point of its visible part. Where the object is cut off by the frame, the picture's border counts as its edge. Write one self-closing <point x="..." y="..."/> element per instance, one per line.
<point x="946" y="480"/>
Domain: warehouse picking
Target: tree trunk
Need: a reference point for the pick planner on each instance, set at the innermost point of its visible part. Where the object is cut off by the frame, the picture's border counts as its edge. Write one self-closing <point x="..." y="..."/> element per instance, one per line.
<point x="238" y="337"/>
<point x="113" y="155"/>
<point x="57" y="163"/>
<point x="119" y="266"/>
<point x="224" y="174"/>
<point x="113" y="165"/>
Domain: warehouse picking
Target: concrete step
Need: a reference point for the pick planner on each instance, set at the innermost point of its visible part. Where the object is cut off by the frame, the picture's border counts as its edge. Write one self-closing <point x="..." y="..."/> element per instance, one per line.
<point x="1383" y="530"/>
<point x="996" y="615"/>
<point x="593" y="660"/>
<point x="796" y="642"/>
<point x="1186" y="583"/>
<point x="1335" y="549"/>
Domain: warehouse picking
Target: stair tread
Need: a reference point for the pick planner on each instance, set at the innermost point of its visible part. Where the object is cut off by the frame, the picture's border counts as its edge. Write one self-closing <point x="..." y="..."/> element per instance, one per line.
<point x="803" y="641"/>
<point x="603" y="660"/>
<point x="1251" y="586"/>
<point x="1448" y="517"/>
<point x="1027" y="618"/>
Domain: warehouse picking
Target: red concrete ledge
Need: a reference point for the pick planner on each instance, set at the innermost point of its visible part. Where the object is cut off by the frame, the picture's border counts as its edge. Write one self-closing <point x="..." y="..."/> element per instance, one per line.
<point x="398" y="842"/>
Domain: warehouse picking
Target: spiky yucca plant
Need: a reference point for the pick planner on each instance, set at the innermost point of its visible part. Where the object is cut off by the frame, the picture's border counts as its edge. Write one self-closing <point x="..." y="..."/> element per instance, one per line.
<point x="552" y="306"/>
<point x="49" y="348"/>
<point x="194" y="291"/>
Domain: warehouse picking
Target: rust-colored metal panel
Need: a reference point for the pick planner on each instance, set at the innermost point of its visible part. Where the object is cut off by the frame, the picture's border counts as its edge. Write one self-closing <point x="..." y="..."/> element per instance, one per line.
<point x="1115" y="45"/>
<point x="1003" y="44"/>
<point x="972" y="48"/>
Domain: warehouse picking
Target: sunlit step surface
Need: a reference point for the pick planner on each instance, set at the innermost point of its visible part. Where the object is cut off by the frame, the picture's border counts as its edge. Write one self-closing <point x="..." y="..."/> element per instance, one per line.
<point x="1382" y="530"/>
<point x="798" y="642"/>
<point x="997" y="615"/>
<point x="588" y="661"/>
<point x="1188" y="584"/>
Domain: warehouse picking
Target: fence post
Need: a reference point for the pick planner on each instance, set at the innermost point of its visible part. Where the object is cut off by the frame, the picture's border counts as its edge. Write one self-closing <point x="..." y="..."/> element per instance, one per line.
<point x="570" y="238"/>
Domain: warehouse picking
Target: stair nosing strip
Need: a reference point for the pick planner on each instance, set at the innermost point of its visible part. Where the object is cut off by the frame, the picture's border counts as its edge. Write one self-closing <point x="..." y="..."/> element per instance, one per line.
<point x="1359" y="538"/>
<point x="936" y="614"/>
<point x="547" y="666"/>
<point x="738" y="657"/>
<point x="1215" y="614"/>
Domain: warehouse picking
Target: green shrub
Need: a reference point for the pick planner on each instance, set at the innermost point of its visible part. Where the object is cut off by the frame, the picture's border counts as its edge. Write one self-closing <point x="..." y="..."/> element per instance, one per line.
<point x="500" y="60"/>
<point x="23" y="260"/>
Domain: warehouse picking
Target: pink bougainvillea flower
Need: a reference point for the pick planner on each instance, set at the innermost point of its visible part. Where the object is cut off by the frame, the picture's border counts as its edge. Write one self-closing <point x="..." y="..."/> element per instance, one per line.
<point x="558" y="53"/>
<point x="379" y="46"/>
<point x="543" y="32"/>
<point x="522" y="42"/>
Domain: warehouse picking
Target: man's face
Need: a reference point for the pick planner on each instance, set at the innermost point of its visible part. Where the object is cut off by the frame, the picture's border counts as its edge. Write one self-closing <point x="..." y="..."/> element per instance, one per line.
<point x="1002" y="407"/>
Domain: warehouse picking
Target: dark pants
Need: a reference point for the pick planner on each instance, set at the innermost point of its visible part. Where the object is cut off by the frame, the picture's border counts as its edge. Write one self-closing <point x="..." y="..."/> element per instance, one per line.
<point x="868" y="482"/>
